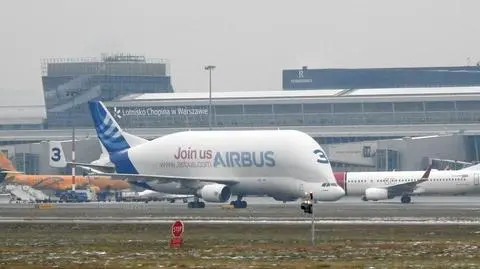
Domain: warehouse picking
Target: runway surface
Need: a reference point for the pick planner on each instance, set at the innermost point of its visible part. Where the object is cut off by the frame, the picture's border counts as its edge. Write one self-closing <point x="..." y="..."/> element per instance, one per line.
<point x="423" y="210"/>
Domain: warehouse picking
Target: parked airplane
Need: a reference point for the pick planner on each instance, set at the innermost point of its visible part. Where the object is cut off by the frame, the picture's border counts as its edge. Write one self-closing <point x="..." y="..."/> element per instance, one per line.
<point x="213" y="165"/>
<point x="56" y="182"/>
<point x="388" y="185"/>
<point x="58" y="160"/>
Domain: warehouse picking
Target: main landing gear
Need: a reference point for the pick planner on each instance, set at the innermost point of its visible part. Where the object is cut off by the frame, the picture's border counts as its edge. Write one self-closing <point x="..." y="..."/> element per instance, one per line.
<point x="406" y="199"/>
<point x="239" y="203"/>
<point x="196" y="203"/>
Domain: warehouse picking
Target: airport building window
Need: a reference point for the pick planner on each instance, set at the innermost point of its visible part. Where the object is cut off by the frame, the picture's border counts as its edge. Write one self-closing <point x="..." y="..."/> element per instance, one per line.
<point x="314" y="114"/>
<point x="468" y="105"/>
<point x="348" y="107"/>
<point x="287" y="108"/>
<point x="372" y="118"/>
<point x="228" y="110"/>
<point x="439" y="106"/>
<point x="228" y="120"/>
<point x="409" y="118"/>
<point x="378" y="107"/>
<point x="317" y="108"/>
<point x="387" y="159"/>
<point x="440" y="117"/>
<point x="408" y="106"/>
<point x="27" y="163"/>
<point x="289" y="119"/>
<point x="258" y="109"/>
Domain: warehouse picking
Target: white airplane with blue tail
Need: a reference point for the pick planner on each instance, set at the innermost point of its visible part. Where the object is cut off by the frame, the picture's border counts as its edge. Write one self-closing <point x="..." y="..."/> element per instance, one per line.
<point x="214" y="165"/>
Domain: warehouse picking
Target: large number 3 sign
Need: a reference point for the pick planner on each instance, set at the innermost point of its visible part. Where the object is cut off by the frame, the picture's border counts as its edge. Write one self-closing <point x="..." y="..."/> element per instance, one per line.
<point x="55" y="154"/>
<point x="322" y="158"/>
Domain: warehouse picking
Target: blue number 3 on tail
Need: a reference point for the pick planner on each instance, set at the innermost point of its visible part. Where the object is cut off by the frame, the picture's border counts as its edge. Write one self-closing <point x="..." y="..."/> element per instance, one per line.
<point x="322" y="158"/>
<point x="55" y="154"/>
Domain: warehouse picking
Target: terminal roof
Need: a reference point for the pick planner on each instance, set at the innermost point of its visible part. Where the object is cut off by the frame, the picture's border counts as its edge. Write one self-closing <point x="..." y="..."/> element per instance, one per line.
<point x="382" y="92"/>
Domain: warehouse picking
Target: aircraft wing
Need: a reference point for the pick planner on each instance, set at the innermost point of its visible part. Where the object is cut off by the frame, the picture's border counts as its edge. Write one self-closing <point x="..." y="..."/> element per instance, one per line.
<point x="8" y="172"/>
<point x="178" y="196"/>
<point x="409" y="186"/>
<point x="166" y="179"/>
<point x="149" y="193"/>
<point x="93" y="167"/>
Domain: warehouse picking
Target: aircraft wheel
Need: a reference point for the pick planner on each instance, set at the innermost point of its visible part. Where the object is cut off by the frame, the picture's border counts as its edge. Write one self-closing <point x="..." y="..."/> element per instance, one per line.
<point x="364" y="198"/>
<point x="196" y="205"/>
<point x="239" y="204"/>
<point x="406" y="199"/>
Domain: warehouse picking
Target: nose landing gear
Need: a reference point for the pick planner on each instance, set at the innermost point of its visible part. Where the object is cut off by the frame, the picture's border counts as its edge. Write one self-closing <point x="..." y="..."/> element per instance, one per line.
<point x="196" y="203"/>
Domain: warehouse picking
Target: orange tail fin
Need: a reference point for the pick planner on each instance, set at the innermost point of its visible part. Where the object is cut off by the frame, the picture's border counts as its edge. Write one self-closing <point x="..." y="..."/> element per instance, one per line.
<point x="5" y="163"/>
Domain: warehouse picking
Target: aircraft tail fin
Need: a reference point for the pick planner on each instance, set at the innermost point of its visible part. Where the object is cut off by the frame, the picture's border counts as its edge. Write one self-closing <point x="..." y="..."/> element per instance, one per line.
<point x="6" y="167"/>
<point x="57" y="155"/>
<point x="427" y="172"/>
<point x="110" y="134"/>
<point x="5" y="163"/>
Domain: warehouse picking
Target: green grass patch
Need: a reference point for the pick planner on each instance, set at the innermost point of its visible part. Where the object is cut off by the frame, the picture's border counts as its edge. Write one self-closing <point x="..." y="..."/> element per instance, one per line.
<point x="238" y="246"/>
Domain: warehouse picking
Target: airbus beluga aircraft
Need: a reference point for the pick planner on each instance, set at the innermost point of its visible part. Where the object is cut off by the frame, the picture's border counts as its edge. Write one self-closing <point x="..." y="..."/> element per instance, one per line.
<point x="214" y="165"/>
<point x="390" y="184"/>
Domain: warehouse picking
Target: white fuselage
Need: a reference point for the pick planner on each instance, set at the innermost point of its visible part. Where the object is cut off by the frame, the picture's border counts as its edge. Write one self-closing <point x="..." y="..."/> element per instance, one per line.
<point x="279" y="163"/>
<point x="438" y="183"/>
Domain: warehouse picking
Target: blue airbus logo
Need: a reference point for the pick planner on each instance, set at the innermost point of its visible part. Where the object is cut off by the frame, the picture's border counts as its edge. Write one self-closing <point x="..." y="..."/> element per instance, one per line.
<point x="244" y="159"/>
<point x="322" y="158"/>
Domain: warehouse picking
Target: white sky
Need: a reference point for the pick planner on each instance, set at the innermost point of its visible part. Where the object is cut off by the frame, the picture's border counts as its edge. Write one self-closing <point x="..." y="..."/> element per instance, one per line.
<point x="249" y="41"/>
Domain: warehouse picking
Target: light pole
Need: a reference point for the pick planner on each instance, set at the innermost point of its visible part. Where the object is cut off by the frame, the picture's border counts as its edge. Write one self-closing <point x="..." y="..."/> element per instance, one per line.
<point x="73" y="93"/>
<point x="210" y="68"/>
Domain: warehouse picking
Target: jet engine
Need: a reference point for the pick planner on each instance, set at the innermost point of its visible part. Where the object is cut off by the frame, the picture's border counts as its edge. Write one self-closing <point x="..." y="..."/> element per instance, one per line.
<point x="218" y="193"/>
<point x="377" y="194"/>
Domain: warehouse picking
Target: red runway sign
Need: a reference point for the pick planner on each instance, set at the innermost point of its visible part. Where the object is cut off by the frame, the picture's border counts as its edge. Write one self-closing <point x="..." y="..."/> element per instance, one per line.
<point x="177" y="233"/>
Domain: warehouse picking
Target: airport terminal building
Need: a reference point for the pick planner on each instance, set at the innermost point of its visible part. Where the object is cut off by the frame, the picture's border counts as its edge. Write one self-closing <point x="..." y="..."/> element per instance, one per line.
<point x="362" y="128"/>
<point x="330" y="116"/>
<point x="68" y="84"/>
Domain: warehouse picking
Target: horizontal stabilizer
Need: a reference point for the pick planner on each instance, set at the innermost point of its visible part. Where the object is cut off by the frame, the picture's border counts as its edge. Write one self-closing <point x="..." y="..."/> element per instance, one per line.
<point x="11" y="172"/>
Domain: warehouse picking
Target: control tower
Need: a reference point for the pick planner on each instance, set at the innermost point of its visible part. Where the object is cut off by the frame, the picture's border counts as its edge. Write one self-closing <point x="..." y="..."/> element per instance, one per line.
<point x="68" y="84"/>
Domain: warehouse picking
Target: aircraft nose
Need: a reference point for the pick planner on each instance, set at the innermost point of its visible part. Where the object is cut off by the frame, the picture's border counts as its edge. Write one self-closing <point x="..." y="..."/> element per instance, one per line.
<point x="339" y="192"/>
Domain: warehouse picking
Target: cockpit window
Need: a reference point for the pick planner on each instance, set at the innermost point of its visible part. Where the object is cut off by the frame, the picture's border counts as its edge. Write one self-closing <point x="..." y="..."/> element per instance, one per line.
<point x="333" y="184"/>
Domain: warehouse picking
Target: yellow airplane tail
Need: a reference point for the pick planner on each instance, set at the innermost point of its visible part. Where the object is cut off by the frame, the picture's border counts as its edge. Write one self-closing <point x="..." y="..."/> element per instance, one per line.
<point x="5" y="163"/>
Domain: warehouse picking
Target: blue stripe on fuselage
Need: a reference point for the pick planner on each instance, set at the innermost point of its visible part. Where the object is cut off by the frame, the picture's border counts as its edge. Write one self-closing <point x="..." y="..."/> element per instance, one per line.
<point x="122" y="162"/>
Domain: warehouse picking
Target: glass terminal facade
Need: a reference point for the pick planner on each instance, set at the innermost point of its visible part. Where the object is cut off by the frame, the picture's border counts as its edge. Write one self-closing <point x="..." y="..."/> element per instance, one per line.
<point x="334" y="108"/>
<point x="69" y="84"/>
<point x="148" y="115"/>
<point x="363" y="78"/>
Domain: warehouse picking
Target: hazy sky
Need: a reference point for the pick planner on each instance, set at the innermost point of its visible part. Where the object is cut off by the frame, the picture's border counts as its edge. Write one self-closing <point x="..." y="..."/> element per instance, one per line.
<point x="249" y="41"/>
